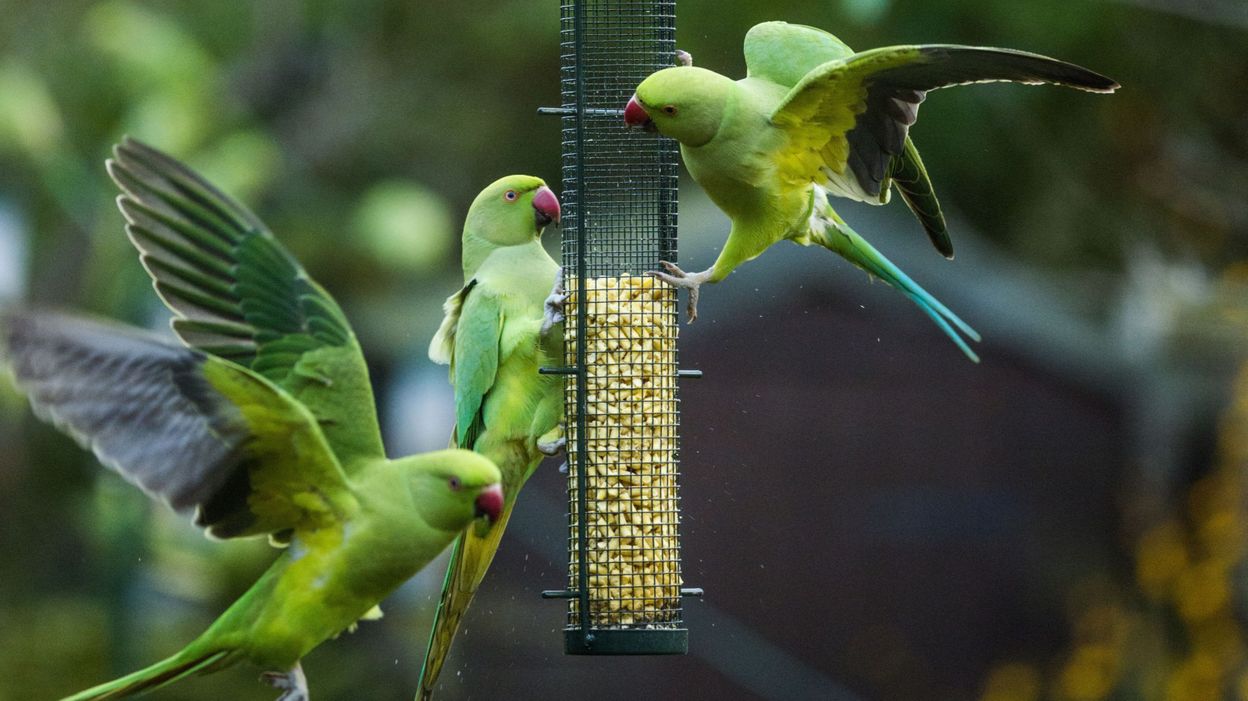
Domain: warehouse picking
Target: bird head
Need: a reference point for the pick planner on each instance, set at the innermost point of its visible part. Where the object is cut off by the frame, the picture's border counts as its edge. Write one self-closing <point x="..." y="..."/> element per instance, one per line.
<point x="685" y="102"/>
<point x="512" y="210"/>
<point x="453" y="488"/>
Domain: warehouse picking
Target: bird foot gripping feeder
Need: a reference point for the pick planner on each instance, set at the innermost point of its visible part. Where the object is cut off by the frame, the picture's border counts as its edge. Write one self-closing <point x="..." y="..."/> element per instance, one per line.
<point x="623" y="408"/>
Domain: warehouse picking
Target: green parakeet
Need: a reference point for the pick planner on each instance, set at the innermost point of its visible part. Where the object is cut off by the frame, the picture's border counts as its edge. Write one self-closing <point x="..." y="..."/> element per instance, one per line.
<point x="263" y="421"/>
<point x="812" y="118"/>
<point x="495" y="336"/>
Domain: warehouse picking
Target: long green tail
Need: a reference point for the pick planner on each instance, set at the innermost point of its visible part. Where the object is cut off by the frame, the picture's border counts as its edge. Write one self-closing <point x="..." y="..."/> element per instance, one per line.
<point x="164" y="672"/>
<point x="470" y="558"/>
<point x="838" y="237"/>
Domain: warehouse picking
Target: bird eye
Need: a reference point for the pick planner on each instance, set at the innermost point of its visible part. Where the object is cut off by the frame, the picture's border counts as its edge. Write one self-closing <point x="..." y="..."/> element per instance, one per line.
<point x="510" y="195"/>
<point x="669" y="109"/>
<point x="454" y="484"/>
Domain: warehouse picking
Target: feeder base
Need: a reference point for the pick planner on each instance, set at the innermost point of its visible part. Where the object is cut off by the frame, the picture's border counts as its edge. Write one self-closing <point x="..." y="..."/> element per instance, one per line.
<point x="626" y="641"/>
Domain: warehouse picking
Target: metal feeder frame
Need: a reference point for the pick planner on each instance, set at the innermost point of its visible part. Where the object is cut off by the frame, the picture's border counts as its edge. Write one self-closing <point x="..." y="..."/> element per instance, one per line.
<point x="619" y="197"/>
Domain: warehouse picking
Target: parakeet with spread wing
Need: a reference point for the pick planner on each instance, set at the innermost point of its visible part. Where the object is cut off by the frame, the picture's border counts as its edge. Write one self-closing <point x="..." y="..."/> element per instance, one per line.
<point x="497" y="333"/>
<point x="263" y="421"/>
<point x="813" y="118"/>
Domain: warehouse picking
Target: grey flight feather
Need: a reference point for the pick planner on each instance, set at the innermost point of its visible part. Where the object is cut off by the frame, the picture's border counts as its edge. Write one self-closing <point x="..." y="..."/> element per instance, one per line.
<point x="895" y="92"/>
<point x="141" y="404"/>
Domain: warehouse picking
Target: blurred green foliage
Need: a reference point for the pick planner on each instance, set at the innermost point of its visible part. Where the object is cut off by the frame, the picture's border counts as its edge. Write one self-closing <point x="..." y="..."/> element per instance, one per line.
<point x="360" y="131"/>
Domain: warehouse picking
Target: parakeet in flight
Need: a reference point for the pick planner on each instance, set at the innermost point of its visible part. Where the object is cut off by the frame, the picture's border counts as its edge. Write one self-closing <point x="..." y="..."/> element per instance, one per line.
<point x="496" y="335"/>
<point x="812" y="118"/>
<point x="264" y="422"/>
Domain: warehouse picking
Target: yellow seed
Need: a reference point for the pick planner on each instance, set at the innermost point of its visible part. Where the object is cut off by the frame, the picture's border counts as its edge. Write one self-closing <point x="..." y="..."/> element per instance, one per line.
<point x="631" y="440"/>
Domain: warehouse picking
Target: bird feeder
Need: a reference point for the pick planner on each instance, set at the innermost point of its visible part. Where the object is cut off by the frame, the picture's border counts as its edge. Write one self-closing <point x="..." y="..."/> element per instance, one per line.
<point x="622" y="400"/>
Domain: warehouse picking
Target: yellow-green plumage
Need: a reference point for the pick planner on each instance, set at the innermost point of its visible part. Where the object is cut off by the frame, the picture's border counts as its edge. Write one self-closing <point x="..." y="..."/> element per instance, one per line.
<point x="492" y="340"/>
<point x="263" y="423"/>
<point x="811" y="119"/>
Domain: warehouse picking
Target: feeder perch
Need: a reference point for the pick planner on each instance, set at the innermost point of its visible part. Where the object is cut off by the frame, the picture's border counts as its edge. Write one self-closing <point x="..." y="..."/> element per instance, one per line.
<point x="622" y="401"/>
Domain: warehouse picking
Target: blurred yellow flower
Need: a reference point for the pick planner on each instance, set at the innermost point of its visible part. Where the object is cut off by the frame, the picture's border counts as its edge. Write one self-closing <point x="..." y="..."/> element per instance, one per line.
<point x="1202" y="591"/>
<point x="1012" y="682"/>
<point x="1090" y="673"/>
<point x="1160" y="556"/>
<point x="1196" y="679"/>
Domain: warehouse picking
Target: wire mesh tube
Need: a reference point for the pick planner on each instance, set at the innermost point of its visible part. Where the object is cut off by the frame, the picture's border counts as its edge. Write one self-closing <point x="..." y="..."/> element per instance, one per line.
<point x="632" y="552"/>
<point x="619" y="188"/>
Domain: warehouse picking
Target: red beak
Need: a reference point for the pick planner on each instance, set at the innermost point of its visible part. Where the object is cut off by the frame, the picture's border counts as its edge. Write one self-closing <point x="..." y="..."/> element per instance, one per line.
<point x="634" y="114"/>
<point x="546" y="205"/>
<point x="490" y="502"/>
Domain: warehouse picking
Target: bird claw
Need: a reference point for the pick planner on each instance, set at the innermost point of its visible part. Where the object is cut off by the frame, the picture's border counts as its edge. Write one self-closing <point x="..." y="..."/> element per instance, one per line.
<point x="292" y="684"/>
<point x="554" y="447"/>
<point x="680" y="279"/>
<point x="554" y="305"/>
<point x="553" y="442"/>
<point x="684" y="58"/>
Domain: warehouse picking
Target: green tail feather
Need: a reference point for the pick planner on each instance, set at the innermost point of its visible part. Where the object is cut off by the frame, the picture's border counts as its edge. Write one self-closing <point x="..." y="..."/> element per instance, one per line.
<point x="838" y="237"/>
<point x="164" y="672"/>
<point x="439" y="642"/>
<point x="470" y="558"/>
<point x="911" y="179"/>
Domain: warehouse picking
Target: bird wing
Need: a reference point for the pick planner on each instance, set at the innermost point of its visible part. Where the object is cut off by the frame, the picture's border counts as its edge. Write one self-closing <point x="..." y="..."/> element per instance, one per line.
<point x="908" y="174"/>
<point x="187" y="428"/>
<point x="442" y="347"/>
<point x="469" y="341"/>
<point x="784" y="53"/>
<point x="238" y="294"/>
<point x="850" y="116"/>
<point x="474" y="359"/>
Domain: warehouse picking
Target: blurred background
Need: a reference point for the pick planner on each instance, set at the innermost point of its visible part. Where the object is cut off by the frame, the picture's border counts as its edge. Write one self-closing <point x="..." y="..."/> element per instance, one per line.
<point x="872" y="516"/>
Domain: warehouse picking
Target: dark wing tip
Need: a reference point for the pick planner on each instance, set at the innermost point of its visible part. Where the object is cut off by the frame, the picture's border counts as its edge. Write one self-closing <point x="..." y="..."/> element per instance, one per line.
<point x="128" y="154"/>
<point x="129" y="144"/>
<point x="971" y="64"/>
<point x="123" y="150"/>
<point x="1110" y="85"/>
<point x="118" y="173"/>
<point x="1081" y="78"/>
<point x="939" y="238"/>
<point x="937" y="230"/>
<point x="122" y="202"/>
<point x="1095" y="82"/>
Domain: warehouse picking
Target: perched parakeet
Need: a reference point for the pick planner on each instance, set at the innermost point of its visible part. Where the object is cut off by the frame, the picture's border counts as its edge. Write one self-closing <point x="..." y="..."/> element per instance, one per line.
<point x="813" y="118"/>
<point x="263" y="421"/>
<point x="496" y="334"/>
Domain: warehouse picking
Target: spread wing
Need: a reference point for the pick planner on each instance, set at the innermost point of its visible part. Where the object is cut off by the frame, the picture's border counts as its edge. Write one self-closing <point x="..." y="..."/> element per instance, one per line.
<point x="847" y="118"/>
<point x="238" y="294"/>
<point x="187" y="428"/>
<point x="468" y="341"/>
<point x="784" y="53"/>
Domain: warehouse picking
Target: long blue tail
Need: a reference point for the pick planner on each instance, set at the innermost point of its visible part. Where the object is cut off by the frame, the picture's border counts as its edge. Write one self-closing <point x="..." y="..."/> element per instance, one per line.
<point x="830" y="231"/>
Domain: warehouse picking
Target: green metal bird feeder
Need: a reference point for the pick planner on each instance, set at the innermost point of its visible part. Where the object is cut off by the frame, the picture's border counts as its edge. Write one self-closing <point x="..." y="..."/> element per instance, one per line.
<point x="623" y="406"/>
